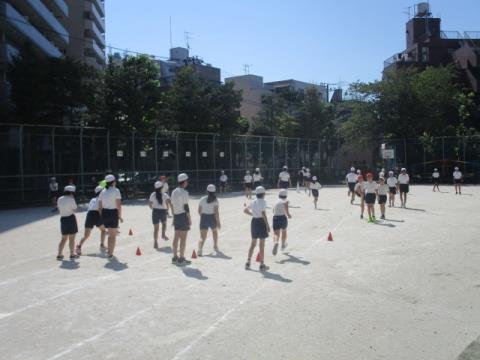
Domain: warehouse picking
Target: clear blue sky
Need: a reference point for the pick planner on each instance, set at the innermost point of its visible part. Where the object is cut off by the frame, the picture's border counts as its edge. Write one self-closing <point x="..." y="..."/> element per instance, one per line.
<point x="309" y="40"/>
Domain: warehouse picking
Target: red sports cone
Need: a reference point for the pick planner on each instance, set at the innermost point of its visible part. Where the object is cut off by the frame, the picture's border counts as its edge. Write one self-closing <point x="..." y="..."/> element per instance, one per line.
<point x="259" y="258"/>
<point x="194" y="255"/>
<point x="130" y="232"/>
<point x="139" y="252"/>
<point x="330" y="237"/>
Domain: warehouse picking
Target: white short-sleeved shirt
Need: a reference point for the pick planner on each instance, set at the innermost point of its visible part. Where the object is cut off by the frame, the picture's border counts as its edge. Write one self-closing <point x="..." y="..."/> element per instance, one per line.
<point x="257" y="206"/>
<point x="223" y="178"/>
<point x="179" y="200"/>
<point x="279" y="208"/>
<point x="370" y="187"/>
<point x="66" y="205"/>
<point x="53" y="186"/>
<point x="382" y="189"/>
<point x="403" y="178"/>
<point x="93" y="204"/>
<point x="257" y="177"/>
<point x="154" y="201"/>
<point x="381" y="174"/>
<point x="284" y="176"/>
<point x="351" y="177"/>
<point x="109" y="196"/>
<point x="392" y="181"/>
<point x="248" y="179"/>
<point x="308" y="175"/>
<point x="436" y="175"/>
<point x="360" y="187"/>
<point x="207" y="208"/>
<point x="315" y="185"/>
<point x="165" y="187"/>
<point x="457" y="175"/>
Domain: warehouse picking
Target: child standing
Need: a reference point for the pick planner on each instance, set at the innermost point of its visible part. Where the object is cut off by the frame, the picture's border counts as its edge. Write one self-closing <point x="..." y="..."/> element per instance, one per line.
<point x="351" y="179"/>
<point x="284" y="181"/>
<point x="306" y="180"/>
<point x="223" y="182"/>
<point x="403" y="181"/>
<point x="159" y="202"/>
<point x="436" y="179"/>
<point x="93" y="219"/>
<point x="457" y="181"/>
<point x="259" y="227"/>
<point x="257" y="178"/>
<point x="382" y="192"/>
<point x="181" y="220"/>
<point x="281" y="214"/>
<point x="53" y="192"/>
<point x="68" y="222"/>
<point x="314" y="187"/>
<point x="370" y="196"/>
<point x="248" y="184"/>
<point x="209" y="218"/>
<point x="360" y="192"/>
<point x="392" y="188"/>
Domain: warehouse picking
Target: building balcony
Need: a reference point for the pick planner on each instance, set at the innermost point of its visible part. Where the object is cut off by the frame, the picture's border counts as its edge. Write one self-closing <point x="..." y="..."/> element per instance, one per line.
<point x="92" y="49"/>
<point x="40" y="16"/>
<point x="400" y="59"/>
<point x="8" y="51"/>
<point x="19" y="28"/>
<point x="93" y="31"/>
<point x="58" y="7"/>
<point x="95" y="15"/>
<point x="100" y="6"/>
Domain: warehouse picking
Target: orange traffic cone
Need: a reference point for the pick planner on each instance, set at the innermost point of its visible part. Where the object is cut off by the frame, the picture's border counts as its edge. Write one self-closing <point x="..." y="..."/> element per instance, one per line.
<point x="259" y="258"/>
<point x="130" y="232"/>
<point x="139" y="252"/>
<point x="330" y="237"/>
<point x="194" y="255"/>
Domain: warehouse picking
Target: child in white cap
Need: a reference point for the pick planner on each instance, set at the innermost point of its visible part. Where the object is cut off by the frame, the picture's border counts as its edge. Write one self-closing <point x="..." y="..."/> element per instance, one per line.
<point x="314" y="187"/>
<point x="436" y="179"/>
<point x="281" y="214"/>
<point x="404" y="181"/>
<point x="248" y="184"/>
<point x="306" y="180"/>
<point x="110" y="208"/>
<point x="392" y="184"/>
<point x="209" y="218"/>
<point x="259" y="227"/>
<point x="181" y="220"/>
<point x="159" y="202"/>
<point x="457" y="180"/>
<point x="93" y="219"/>
<point x="223" y="181"/>
<point x="68" y="222"/>
<point x="284" y="181"/>
<point x="351" y="180"/>
<point x="382" y="191"/>
<point x="53" y="192"/>
<point x="257" y="178"/>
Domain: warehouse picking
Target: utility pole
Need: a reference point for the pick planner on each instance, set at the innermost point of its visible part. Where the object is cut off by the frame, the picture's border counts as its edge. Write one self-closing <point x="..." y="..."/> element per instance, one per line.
<point x="246" y="68"/>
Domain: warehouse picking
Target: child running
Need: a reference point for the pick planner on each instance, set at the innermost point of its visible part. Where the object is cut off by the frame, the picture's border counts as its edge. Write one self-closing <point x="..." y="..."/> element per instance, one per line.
<point x="159" y="202"/>
<point x="457" y="181"/>
<point x="281" y="214"/>
<point x="314" y="187"/>
<point x="351" y="179"/>
<point x="259" y="227"/>
<point x="93" y="219"/>
<point x="248" y="184"/>
<point x="306" y="180"/>
<point x="360" y="192"/>
<point x="370" y="196"/>
<point x="209" y="218"/>
<point x="392" y="183"/>
<point x="436" y="179"/>
<point x="403" y="181"/>
<point x="382" y="191"/>
<point x="181" y="221"/>
<point x="284" y="180"/>
<point x="68" y="222"/>
<point x="257" y="178"/>
<point x="223" y="182"/>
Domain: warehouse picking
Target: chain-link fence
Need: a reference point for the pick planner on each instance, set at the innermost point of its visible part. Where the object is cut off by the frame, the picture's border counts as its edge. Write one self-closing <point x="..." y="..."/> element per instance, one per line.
<point x="30" y="155"/>
<point x="421" y="156"/>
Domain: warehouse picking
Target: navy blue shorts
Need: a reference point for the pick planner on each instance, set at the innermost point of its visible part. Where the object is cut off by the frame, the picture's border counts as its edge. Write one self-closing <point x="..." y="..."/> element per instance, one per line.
<point x="258" y="228"/>
<point x="382" y="199"/>
<point x="110" y="218"/>
<point x="159" y="216"/>
<point x="68" y="225"/>
<point x="315" y="193"/>
<point x="280" y="222"/>
<point x="370" y="198"/>
<point x="392" y="190"/>
<point x="93" y="219"/>
<point x="351" y="186"/>
<point x="284" y="184"/>
<point x="404" y="188"/>
<point x="248" y="186"/>
<point x="180" y="222"/>
<point x="208" y="221"/>
<point x="256" y="184"/>
<point x="457" y="181"/>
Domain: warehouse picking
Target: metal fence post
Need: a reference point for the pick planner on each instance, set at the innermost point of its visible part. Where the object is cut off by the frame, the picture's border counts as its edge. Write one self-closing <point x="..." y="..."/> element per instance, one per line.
<point x="109" y="166"/>
<point x="196" y="159"/>
<point x="82" y="181"/>
<point x="245" y="153"/>
<point x="443" y="155"/>
<point x="260" y="150"/>
<point x="214" y="160"/>
<point x="286" y="152"/>
<point x="53" y="152"/>
<point x="178" y="154"/>
<point x="133" y="156"/>
<point x="405" y="151"/>
<point x="156" y="152"/>
<point x="231" y="159"/>
<point x="22" y="180"/>
<point x="273" y="158"/>
<point x="464" y="154"/>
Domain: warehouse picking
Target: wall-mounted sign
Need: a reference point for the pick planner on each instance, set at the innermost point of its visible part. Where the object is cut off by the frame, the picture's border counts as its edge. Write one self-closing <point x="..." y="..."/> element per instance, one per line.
<point x="119" y="153"/>
<point x="204" y="154"/>
<point x="143" y="153"/>
<point x="188" y="154"/>
<point x="165" y="154"/>
<point x="222" y="154"/>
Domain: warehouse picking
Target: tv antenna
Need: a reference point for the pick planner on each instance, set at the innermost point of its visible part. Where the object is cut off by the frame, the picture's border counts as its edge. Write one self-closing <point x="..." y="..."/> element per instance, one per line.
<point x="171" y="42"/>
<point x="187" y="39"/>
<point x="246" y="68"/>
<point x="408" y="12"/>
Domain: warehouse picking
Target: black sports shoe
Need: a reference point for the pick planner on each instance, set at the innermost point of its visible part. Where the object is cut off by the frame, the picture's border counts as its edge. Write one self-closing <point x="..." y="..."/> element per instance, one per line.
<point x="247" y="266"/>
<point x="79" y="250"/>
<point x="264" y="267"/>
<point x="183" y="262"/>
<point x="174" y="259"/>
<point x="275" y="249"/>
<point x="59" y="257"/>
<point x="73" y="257"/>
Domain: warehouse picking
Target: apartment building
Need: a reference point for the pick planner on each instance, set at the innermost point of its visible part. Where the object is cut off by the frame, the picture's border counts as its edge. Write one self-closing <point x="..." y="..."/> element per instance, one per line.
<point x="86" y="25"/>
<point x="40" y="23"/>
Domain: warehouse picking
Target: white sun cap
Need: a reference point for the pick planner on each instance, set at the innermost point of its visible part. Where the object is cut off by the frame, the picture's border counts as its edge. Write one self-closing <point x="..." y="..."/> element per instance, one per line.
<point x="403" y="169"/>
<point x="158" y="184"/>
<point x="257" y="169"/>
<point x="260" y="190"/>
<point x="70" y="188"/>
<point x="352" y="169"/>
<point x="285" y="167"/>
<point x="248" y="171"/>
<point x="390" y="172"/>
<point x="98" y="189"/>
<point x="283" y="192"/>
<point x="182" y="177"/>
<point x="456" y="167"/>
<point x="435" y="169"/>
<point x="314" y="178"/>
<point x="109" y="178"/>
<point x="211" y="188"/>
